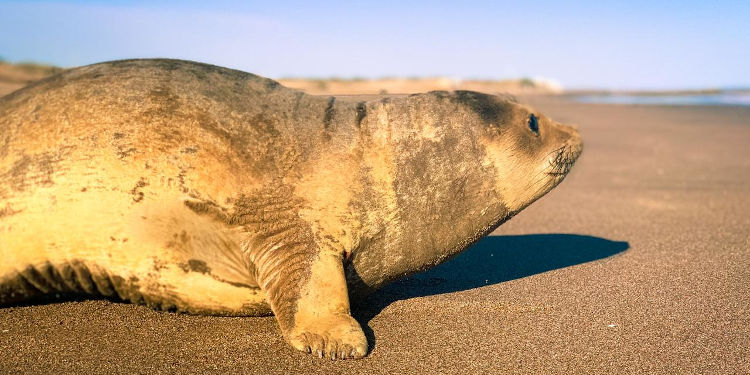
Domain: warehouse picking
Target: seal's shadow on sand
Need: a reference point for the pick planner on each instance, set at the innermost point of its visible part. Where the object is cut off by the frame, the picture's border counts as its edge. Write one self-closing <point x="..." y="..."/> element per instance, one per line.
<point x="492" y="260"/>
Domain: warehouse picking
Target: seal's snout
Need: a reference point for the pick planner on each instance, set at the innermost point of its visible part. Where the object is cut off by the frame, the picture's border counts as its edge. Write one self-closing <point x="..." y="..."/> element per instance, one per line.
<point x="562" y="161"/>
<point x="574" y="144"/>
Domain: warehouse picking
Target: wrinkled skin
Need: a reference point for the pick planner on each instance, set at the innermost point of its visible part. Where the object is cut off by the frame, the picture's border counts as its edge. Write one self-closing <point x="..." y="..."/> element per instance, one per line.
<point x="200" y="189"/>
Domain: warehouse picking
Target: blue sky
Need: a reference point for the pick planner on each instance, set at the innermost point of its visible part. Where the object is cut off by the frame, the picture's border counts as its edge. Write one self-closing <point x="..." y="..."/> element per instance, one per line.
<point x="584" y="44"/>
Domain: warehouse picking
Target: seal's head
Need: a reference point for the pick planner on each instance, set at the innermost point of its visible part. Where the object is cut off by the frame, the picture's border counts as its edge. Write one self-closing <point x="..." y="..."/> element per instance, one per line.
<point x="463" y="163"/>
<point x="531" y="153"/>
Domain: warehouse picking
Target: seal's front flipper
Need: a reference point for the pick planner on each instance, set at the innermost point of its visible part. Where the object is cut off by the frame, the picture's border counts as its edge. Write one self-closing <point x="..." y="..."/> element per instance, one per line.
<point x="306" y="289"/>
<point x="322" y="323"/>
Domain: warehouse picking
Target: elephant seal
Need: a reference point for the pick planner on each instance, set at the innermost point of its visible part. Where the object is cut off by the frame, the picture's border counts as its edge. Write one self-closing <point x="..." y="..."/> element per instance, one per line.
<point x="194" y="188"/>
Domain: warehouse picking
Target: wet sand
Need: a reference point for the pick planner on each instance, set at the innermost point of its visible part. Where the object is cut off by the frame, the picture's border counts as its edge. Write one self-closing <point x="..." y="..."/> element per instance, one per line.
<point x="637" y="263"/>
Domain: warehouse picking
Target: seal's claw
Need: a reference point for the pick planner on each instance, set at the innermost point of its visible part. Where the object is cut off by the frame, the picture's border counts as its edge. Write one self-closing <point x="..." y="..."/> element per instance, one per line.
<point x="332" y="349"/>
<point x="344" y="352"/>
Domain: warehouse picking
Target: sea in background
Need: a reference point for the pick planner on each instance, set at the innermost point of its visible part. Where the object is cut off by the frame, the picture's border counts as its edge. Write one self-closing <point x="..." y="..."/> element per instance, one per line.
<point x="728" y="98"/>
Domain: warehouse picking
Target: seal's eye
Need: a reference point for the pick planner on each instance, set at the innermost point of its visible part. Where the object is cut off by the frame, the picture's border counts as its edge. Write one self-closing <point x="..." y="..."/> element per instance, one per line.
<point x="534" y="124"/>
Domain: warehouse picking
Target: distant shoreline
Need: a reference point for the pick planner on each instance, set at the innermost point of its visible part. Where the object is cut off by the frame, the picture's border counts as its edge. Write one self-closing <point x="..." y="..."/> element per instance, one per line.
<point x="702" y="98"/>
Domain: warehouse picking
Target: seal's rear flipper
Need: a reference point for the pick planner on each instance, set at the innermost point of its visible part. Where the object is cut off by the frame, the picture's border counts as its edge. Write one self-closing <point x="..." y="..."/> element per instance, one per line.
<point x="157" y="285"/>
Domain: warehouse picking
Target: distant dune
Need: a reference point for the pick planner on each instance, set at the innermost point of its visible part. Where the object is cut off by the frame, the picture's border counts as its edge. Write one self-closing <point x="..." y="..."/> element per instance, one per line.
<point x="336" y="86"/>
<point x="15" y="76"/>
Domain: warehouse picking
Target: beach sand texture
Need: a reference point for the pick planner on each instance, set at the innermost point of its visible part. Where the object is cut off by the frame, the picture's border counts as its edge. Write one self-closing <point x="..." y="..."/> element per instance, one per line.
<point x="637" y="263"/>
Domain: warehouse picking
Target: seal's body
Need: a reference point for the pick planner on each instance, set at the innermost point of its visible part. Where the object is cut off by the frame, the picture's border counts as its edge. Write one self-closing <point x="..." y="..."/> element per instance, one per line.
<point x="195" y="188"/>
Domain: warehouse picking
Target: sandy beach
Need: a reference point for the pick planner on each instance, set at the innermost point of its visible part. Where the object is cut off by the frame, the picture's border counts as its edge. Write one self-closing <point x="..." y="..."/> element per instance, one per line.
<point x="637" y="263"/>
